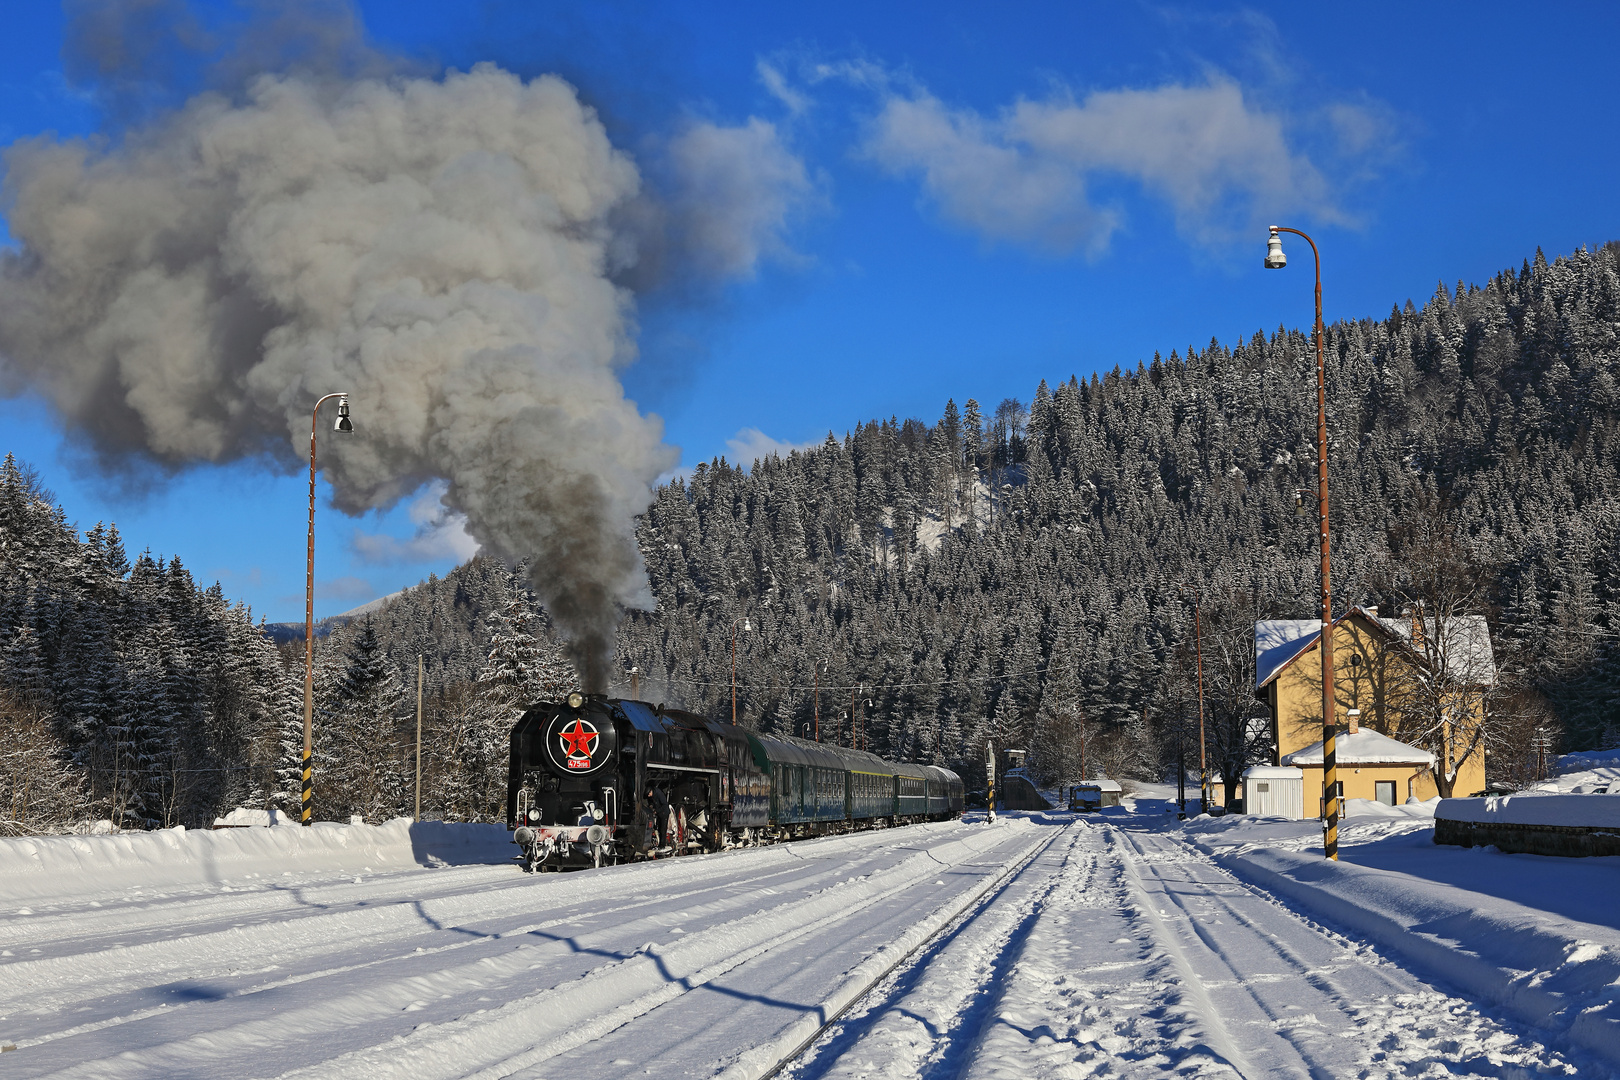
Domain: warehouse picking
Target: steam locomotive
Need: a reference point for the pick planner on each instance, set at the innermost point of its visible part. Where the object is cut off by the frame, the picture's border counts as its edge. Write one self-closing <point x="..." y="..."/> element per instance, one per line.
<point x="595" y="780"/>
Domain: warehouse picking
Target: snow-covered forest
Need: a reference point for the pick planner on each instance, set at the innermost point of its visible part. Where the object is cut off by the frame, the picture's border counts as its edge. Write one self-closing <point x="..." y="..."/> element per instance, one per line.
<point x="130" y="695"/>
<point x="1023" y="572"/>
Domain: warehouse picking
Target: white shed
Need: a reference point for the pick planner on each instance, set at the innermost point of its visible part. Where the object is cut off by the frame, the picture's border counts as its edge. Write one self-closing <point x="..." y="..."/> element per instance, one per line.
<point x="1274" y="791"/>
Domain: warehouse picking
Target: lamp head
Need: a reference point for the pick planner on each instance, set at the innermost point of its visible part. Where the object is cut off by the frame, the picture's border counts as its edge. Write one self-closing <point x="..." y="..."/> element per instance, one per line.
<point x="343" y="422"/>
<point x="1299" y="504"/>
<point x="747" y="625"/>
<point x="1275" y="259"/>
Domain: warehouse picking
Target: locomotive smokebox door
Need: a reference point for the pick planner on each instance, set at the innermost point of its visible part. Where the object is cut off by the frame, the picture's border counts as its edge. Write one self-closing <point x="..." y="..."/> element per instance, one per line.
<point x="578" y="744"/>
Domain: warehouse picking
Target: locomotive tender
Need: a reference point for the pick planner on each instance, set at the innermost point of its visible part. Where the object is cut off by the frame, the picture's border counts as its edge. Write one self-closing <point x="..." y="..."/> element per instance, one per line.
<point x="596" y="780"/>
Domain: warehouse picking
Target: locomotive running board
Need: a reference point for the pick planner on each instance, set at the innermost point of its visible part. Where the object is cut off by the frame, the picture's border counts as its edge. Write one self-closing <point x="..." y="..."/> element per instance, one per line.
<point x="683" y="768"/>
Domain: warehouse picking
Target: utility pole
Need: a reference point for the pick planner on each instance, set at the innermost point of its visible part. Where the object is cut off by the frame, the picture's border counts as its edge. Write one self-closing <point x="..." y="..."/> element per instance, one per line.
<point x="418" y="738"/>
<point x="1082" y="746"/>
<point x="990" y="777"/>
<point x="1203" y="757"/>
<point x="1181" y="775"/>
<point x="746" y="625"/>
<point x="817" y="707"/>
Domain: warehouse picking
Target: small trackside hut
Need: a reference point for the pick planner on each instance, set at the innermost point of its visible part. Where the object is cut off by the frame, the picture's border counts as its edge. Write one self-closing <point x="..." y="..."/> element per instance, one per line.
<point x="594" y="780"/>
<point x="1094" y="795"/>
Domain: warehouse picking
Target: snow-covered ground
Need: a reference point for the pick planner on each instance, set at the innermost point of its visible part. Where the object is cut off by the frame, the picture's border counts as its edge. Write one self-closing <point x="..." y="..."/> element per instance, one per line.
<point x="1122" y="943"/>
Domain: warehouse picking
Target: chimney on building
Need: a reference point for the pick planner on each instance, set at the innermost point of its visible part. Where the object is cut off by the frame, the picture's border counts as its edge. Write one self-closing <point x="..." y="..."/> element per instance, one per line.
<point x="1355" y="720"/>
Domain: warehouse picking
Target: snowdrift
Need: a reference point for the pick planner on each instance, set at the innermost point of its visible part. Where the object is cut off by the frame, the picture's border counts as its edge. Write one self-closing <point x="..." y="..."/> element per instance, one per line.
<point x="1555" y="973"/>
<point x="40" y="867"/>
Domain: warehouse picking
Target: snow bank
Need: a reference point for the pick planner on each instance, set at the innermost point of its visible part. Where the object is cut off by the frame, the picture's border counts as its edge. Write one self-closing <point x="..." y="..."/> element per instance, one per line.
<point x="1549" y="971"/>
<point x="1412" y="808"/>
<point x="1535" y="808"/>
<point x="40" y="867"/>
<point x="243" y="816"/>
<point x="1582" y="760"/>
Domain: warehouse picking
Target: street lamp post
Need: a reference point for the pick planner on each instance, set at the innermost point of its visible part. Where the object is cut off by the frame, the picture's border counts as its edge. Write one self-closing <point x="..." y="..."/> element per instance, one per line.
<point x="307" y="809"/>
<point x="746" y="625"/>
<point x="1276" y="260"/>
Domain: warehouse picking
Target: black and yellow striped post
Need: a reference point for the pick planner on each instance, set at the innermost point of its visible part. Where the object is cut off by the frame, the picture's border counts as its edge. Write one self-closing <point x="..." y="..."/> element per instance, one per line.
<point x="1330" y="791"/>
<point x="308" y="805"/>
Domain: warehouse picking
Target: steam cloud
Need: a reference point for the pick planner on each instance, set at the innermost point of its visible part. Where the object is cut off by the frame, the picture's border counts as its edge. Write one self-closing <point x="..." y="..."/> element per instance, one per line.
<point x="446" y="250"/>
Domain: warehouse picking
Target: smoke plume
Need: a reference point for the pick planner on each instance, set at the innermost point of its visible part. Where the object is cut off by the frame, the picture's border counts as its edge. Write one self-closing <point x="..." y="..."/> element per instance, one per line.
<point x="446" y="250"/>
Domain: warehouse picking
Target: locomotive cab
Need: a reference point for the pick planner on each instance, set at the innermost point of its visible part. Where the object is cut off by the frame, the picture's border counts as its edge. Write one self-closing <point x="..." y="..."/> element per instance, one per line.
<point x="563" y="791"/>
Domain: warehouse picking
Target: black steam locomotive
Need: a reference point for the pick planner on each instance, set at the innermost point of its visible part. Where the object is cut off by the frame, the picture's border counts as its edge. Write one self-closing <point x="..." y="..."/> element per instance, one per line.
<point x="595" y="780"/>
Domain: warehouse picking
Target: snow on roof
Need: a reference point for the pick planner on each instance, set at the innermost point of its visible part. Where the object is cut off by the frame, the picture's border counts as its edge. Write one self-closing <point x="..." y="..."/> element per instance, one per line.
<point x="1273" y="772"/>
<point x="1465" y="643"/>
<point x="1535" y="808"/>
<point x="1365" y="747"/>
<point x="1277" y="641"/>
<point x="1100" y="785"/>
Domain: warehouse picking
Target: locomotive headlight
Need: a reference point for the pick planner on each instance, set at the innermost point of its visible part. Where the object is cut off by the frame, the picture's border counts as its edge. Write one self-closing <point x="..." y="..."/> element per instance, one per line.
<point x="575" y="700"/>
<point x="534" y="815"/>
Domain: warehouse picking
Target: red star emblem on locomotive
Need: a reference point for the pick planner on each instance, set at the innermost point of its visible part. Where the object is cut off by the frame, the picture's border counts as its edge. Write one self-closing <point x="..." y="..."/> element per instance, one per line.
<point x="578" y="742"/>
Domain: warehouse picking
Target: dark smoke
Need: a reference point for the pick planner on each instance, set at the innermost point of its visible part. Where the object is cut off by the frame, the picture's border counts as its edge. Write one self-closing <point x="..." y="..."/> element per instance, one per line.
<point x="451" y="251"/>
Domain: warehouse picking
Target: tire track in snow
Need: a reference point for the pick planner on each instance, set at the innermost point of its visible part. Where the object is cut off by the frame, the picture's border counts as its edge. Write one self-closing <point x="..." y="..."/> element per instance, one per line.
<point x="1072" y="986"/>
<point x="1144" y="959"/>
<point x="1289" y="998"/>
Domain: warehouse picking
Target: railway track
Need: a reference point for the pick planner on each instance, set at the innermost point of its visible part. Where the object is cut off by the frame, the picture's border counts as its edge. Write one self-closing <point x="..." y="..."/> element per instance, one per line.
<point x="473" y="972"/>
<point x="771" y="1059"/>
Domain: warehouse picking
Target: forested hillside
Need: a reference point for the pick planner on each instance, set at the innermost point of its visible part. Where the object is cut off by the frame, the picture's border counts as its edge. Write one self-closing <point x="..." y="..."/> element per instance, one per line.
<point x="1022" y="572"/>
<point x="130" y="696"/>
<point x="126" y="691"/>
<point x="1484" y="422"/>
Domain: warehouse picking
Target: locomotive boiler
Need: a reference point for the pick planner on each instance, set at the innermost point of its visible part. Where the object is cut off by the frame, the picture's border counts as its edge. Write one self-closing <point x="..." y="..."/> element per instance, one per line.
<point x="597" y="780"/>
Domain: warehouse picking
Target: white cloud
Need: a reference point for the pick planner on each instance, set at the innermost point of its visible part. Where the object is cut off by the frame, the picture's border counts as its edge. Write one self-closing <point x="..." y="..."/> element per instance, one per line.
<point x="735" y="191"/>
<point x="440" y="534"/>
<point x="797" y="102"/>
<point x="744" y="449"/>
<point x="984" y="180"/>
<point x="1223" y="162"/>
<point x="751" y="444"/>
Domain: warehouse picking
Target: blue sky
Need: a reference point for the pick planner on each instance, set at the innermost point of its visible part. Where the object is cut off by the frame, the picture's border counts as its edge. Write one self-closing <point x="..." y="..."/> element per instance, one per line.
<point x="966" y="199"/>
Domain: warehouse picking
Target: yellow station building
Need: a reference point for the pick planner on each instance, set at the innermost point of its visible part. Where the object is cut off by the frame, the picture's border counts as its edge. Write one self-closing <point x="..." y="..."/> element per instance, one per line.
<point x="1376" y="663"/>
